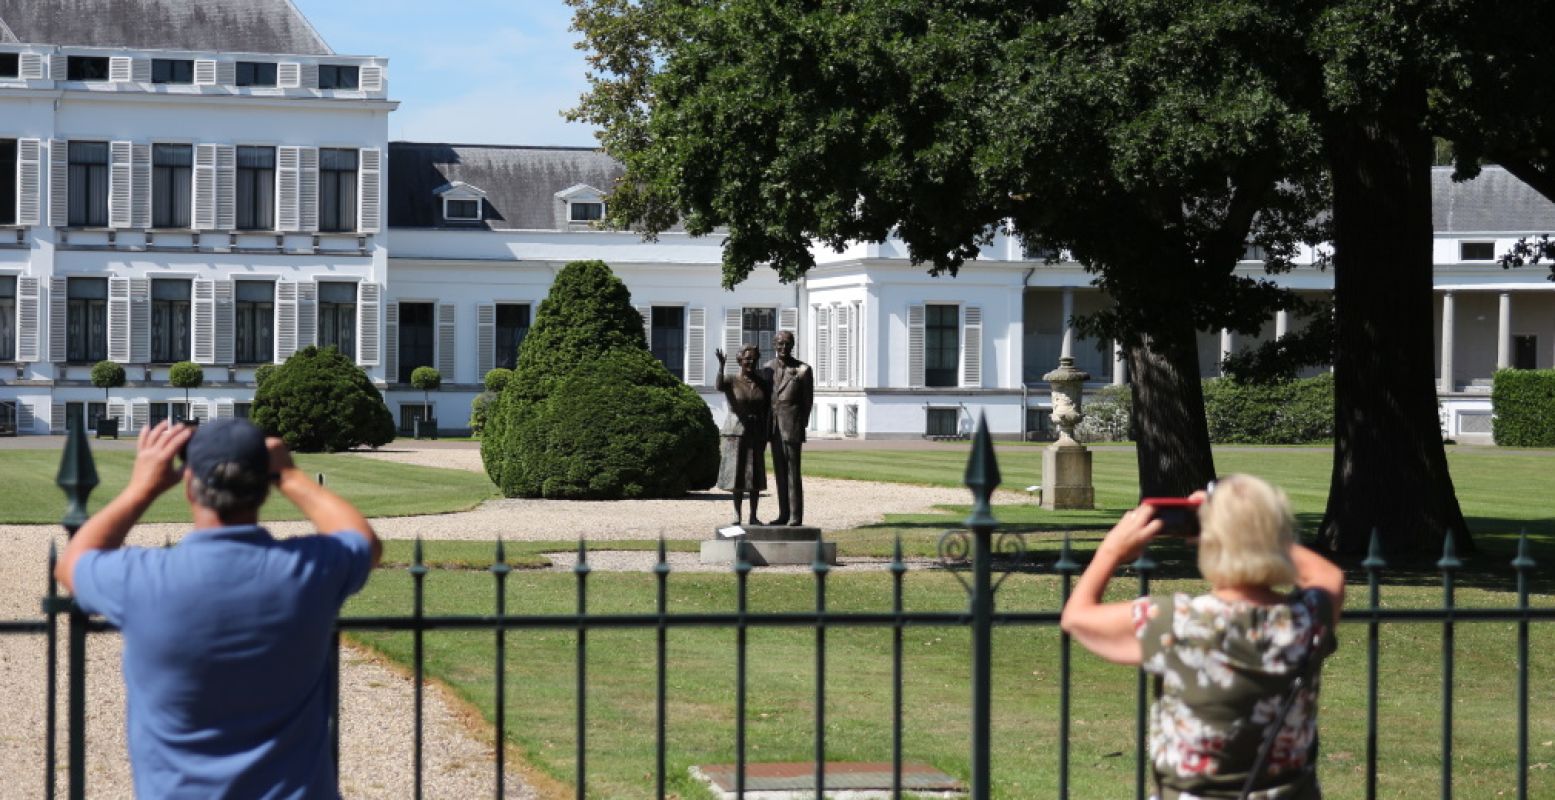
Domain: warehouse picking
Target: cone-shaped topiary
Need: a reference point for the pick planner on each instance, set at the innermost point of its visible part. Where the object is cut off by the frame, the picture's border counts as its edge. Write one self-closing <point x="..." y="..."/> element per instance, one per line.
<point x="589" y="412"/>
<point x="320" y="401"/>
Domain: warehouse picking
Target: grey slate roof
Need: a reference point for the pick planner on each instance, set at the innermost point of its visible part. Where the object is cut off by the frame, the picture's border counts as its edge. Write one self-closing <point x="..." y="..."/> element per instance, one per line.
<point x="234" y="26"/>
<point x="1494" y="201"/>
<point x="520" y="182"/>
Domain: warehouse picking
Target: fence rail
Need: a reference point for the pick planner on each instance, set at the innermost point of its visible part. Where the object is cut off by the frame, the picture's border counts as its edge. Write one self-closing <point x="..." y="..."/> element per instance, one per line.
<point x="975" y="549"/>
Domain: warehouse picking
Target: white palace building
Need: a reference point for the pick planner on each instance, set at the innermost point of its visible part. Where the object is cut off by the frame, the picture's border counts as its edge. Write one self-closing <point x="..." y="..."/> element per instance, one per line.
<point x="208" y="181"/>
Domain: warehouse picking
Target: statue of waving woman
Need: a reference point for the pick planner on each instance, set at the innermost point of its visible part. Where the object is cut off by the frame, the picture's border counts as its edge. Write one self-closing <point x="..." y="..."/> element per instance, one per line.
<point x="743" y="468"/>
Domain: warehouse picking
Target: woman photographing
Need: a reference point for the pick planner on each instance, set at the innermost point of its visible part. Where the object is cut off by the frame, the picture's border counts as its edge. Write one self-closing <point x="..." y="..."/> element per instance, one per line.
<point x="1230" y="661"/>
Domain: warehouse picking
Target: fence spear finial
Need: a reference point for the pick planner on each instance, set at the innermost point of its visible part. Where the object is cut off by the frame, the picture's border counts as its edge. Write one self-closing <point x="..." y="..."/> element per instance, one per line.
<point x="982" y="476"/>
<point x="77" y="477"/>
<point x="1523" y="560"/>
<point x="1449" y="553"/>
<point x="1374" y="559"/>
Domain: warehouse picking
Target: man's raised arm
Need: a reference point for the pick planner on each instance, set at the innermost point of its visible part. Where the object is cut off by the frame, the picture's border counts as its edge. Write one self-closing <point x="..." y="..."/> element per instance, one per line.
<point x="329" y="512"/>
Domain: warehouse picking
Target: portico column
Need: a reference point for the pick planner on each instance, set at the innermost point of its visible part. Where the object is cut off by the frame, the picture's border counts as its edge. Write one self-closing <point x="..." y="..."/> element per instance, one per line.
<point x="1066" y="350"/>
<point x="1119" y="364"/>
<point x="1447" y="326"/>
<point x="1281" y="323"/>
<point x="1504" y="332"/>
<point x="1227" y="345"/>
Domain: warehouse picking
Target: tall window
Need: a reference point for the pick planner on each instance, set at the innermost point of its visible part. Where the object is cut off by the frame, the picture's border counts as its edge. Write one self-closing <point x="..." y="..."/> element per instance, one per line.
<point x="757" y="327"/>
<point x="256" y="73"/>
<point x="88" y="184"/>
<point x="942" y="345"/>
<point x="255" y="316"/>
<point x="339" y="76"/>
<point x="667" y="329"/>
<point x="7" y="317"/>
<point x="86" y="320"/>
<point x="169" y="321"/>
<point x="337" y="317"/>
<point x="7" y="181"/>
<point x="172" y="70"/>
<point x="87" y="414"/>
<point x="512" y="327"/>
<point x="171" y="185"/>
<point x="337" y="190"/>
<point x="416" y="330"/>
<point x="256" y="188"/>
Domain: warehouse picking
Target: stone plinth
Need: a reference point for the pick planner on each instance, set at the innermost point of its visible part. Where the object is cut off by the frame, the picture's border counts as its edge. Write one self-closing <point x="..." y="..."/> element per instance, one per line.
<point x="768" y="545"/>
<point x="1066" y="477"/>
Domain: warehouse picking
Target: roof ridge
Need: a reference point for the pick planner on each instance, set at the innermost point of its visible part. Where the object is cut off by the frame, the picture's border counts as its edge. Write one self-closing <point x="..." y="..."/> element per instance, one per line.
<point x="6" y="30"/>
<point x="311" y="28"/>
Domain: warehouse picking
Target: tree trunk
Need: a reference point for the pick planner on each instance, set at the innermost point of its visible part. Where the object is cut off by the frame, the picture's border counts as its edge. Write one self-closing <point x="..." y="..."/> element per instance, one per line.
<point x="1171" y="438"/>
<point x="1390" y="468"/>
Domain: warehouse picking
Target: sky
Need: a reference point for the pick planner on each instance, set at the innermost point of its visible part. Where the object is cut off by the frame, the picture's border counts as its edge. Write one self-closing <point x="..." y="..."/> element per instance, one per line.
<point x="467" y="71"/>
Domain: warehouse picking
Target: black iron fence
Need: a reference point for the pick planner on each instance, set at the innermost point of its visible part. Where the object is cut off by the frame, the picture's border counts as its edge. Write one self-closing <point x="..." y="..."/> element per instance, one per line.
<point x="976" y="549"/>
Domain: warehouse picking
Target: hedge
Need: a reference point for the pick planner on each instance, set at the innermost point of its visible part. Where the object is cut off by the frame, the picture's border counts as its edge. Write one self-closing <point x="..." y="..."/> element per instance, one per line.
<point x="1289" y="412"/>
<point x="320" y="401"/>
<point x="1523" y="401"/>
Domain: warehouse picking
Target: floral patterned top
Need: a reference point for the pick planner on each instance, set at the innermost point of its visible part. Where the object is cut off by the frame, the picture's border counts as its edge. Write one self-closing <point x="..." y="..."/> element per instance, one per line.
<point x="1223" y="668"/>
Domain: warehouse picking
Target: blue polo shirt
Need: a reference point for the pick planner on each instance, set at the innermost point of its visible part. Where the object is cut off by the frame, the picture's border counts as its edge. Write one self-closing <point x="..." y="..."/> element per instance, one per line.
<point x="226" y="652"/>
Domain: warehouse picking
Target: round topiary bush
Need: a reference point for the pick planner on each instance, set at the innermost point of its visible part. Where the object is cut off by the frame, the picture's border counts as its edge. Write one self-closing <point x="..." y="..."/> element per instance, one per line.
<point x="320" y="401"/>
<point x="589" y="412"/>
<point x="107" y="375"/>
<point x="497" y="379"/>
<point x="426" y="379"/>
<point x="186" y="375"/>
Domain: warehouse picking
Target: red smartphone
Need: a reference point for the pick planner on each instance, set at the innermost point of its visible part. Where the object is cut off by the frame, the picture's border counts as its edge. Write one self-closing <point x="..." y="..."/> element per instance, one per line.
<point x="1179" y="515"/>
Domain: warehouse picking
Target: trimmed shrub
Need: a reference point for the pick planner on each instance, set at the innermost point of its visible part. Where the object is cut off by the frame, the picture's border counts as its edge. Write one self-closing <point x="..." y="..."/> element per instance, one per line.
<point x="497" y="379"/>
<point x="185" y="375"/>
<point x="107" y="375"/>
<point x="1523" y="402"/>
<point x="320" y="401"/>
<point x="426" y="379"/>
<point x="1290" y="412"/>
<point x="262" y="373"/>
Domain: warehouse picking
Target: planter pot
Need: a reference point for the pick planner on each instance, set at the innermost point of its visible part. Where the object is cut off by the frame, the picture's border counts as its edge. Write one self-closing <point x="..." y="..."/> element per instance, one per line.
<point x="425" y="428"/>
<point x="108" y="426"/>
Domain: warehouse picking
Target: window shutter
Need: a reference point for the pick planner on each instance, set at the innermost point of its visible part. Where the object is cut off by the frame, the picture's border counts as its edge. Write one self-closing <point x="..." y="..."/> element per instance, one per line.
<point x="140" y="320"/>
<point x="31" y="67"/>
<point x="285" y="320"/>
<point x="58" y="294"/>
<point x="59" y="183"/>
<point x="117" y="410"/>
<point x="391" y="341"/>
<point x="371" y="78"/>
<point x="119" y="69"/>
<point x="29" y="181"/>
<point x="140" y="70"/>
<point x="368" y="302"/>
<point x="140" y="186"/>
<point x="915" y="346"/>
<point x="310" y="76"/>
<point x="288" y="177"/>
<point x="226" y="73"/>
<point x="226" y="323"/>
<point x="446" y="337"/>
<point x="646" y="312"/>
<point x="288" y="75"/>
<point x="733" y="319"/>
<point x="200" y="410"/>
<point x="119" y="320"/>
<point x="204" y="72"/>
<point x="369" y="178"/>
<point x="27" y="332"/>
<point x="696" y="346"/>
<point x="307" y="313"/>
<point x="203" y="317"/>
<point x="823" y="346"/>
<point x="485" y="339"/>
<point x="140" y="414"/>
<point x="58" y="67"/>
<point x="972" y="347"/>
<point x="205" y="187"/>
<point x="57" y="418"/>
<point x="226" y="187"/>
<point x="223" y="409"/>
<point x="788" y="320"/>
<point x="308" y="188"/>
<point x="119" y="183"/>
<point x="24" y="417"/>
<point x="844" y="374"/>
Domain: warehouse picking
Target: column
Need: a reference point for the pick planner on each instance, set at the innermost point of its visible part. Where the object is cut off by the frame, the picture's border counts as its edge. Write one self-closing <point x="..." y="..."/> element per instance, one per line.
<point x="1504" y="332"/>
<point x="1281" y="323"/>
<point x="1119" y="364"/>
<point x="1227" y="345"/>
<point x="1447" y="326"/>
<point x="1067" y="349"/>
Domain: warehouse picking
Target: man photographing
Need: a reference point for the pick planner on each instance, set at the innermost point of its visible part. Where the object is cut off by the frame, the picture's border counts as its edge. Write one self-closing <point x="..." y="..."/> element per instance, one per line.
<point x="227" y="635"/>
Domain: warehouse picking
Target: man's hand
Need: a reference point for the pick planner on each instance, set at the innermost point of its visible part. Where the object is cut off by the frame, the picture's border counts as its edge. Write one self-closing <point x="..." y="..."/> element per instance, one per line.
<point x="280" y="457"/>
<point x="159" y="445"/>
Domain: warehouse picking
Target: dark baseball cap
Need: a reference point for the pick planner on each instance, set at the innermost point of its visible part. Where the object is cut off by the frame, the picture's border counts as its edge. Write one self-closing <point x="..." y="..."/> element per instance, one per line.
<point x="228" y="441"/>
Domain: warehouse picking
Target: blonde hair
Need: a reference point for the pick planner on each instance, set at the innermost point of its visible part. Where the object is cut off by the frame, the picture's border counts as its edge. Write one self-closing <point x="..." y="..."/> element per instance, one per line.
<point x="1246" y="532"/>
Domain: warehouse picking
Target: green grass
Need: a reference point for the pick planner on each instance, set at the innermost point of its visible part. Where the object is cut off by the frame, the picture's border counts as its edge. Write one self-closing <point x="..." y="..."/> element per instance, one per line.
<point x="379" y="488"/>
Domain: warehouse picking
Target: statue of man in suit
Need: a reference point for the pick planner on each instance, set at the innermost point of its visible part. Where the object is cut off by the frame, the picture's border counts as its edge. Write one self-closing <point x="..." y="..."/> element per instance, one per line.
<point x="793" y="393"/>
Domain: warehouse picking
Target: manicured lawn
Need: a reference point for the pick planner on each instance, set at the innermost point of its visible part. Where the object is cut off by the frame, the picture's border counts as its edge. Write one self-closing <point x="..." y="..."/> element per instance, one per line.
<point x="380" y="488"/>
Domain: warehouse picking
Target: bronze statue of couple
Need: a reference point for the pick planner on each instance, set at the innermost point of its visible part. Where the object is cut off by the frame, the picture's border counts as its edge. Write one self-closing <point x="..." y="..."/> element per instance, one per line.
<point x="766" y="404"/>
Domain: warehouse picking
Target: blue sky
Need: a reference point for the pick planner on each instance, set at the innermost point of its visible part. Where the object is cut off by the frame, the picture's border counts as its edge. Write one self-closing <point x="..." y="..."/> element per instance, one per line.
<point x="472" y="71"/>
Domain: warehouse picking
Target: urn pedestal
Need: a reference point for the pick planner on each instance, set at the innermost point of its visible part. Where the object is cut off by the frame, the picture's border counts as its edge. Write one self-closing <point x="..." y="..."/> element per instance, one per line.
<point x="1066" y="464"/>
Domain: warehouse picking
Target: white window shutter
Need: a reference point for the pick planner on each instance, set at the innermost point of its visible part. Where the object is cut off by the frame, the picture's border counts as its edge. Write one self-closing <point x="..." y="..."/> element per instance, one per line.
<point x="824" y="354"/>
<point x="915" y="346"/>
<point x="226" y="187"/>
<point x="226" y="73"/>
<point x="371" y="78"/>
<point x="485" y="339"/>
<point x="224" y="409"/>
<point x="25" y="419"/>
<point x="28" y="348"/>
<point x="140" y="319"/>
<point x="140" y="70"/>
<point x="59" y="292"/>
<point x="844" y="374"/>
<point x="369" y="301"/>
<point x="205" y="187"/>
<point x="288" y="75"/>
<point x="29" y="181"/>
<point x="140" y="414"/>
<point x="788" y="320"/>
<point x="57" y="418"/>
<point x="696" y="346"/>
<point x="972" y="347"/>
<point x="308" y="188"/>
<point x="204" y="72"/>
<point x="646" y="312"/>
<point x="307" y="313"/>
<point x="446" y="337"/>
<point x="119" y="69"/>
<point x="200" y="410"/>
<point x="285" y="320"/>
<point x="31" y="67"/>
<point x="391" y="341"/>
<point x="59" y="67"/>
<point x="369" y="177"/>
<point x="120" y="181"/>
<point x="204" y="321"/>
<point x="310" y="76"/>
<point x="117" y="410"/>
<point x="226" y="324"/>
<point x="288" y="183"/>
<point x="140" y="186"/>
<point x="119" y="320"/>
<point x="734" y="318"/>
<point x="59" y="183"/>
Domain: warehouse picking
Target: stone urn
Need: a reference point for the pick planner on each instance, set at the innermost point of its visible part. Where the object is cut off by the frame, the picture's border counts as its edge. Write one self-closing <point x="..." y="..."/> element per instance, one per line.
<point x="1066" y="464"/>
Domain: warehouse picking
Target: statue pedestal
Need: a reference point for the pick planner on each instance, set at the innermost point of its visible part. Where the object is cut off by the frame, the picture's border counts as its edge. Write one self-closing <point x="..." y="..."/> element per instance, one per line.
<point x="1066" y="477"/>
<point x="768" y="545"/>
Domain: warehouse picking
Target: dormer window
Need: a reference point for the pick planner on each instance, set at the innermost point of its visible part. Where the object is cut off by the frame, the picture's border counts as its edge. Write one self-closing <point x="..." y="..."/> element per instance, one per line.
<point x="86" y="68"/>
<point x="172" y="70"/>
<point x="256" y="73"/>
<point x="10" y="65"/>
<point x="339" y="76"/>
<point x="579" y="205"/>
<point x="462" y="202"/>
<point x="1476" y="251"/>
<point x="586" y="212"/>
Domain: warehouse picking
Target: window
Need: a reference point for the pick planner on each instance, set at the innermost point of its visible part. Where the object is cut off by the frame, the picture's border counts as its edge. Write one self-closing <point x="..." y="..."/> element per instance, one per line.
<point x="7" y="317"/>
<point x="1525" y="352"/>
<point x="337" y="317"/>
<point x="88" y="413"/>
<point x="171" y="185"/>
<point x="586" y="212"/>
<point x="172" y="70"/>
<point x="256" y="188"/>
<point x="462" y="210"/>
<point x="7" y="181"/>
<point x="86" y="68"/>
<point x="1476" y="251"/>
<point x="88" y="184"/>
<point x="337" y="190"/>
<point x="10" y="65"/>
<point x="416" y="329"/>
<point x="410" y="413"/>
<point x="942" y="345"/>
<point x="161" y="412"/>
<point x="668" y="332"/>
<point x="86" y="320"/>
<point x="338" y="76"/>
<point x="7" y="417"/>
<point x="254" y="312"/>
<point x="943" y="422"/>
<point x="242" y="410"/>
<point x="256" y="73"/>
<point x="512" y="327"/>
<point x="169" y="321"/>
<point x="1254" y="252"/>
<point x="757" y="327"/>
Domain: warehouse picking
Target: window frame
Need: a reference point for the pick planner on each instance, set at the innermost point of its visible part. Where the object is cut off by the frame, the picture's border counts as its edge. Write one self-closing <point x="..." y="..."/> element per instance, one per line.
<point x="1463" y="251"/>
<point x="343" y="219"/>
<point x="574" y="205"/>
<point x="8" y="312"/>
<point x="255" y="68"/>
<point x="172" y="71"/>
<point x="672" y="354"/>
<point x="15" y="62"/>
<point x="79" y="311"/>
<point x="94" y="204"/>
<point x="934" y="414"/>
<point x="166" y="212"/>
<point x="263" y="180"/>
<point x="935" y="373"/>
<point x="10" y="214"/>
<point x="452" y="217"/>
<point x="411" y="348"/>
<point x="519" y="332"/>
<point x="331" y="308"/>
<point x="337" y="71"/>
<point x="173" y="348"/>
<point x="261" y="347"/>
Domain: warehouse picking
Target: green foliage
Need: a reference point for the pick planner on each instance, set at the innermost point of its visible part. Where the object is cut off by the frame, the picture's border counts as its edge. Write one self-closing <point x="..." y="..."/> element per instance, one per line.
<point x="263" y="372"/>
<point x="186" y="375"/>
<point x="497" y="379"/>
<point x="426" y="378"/>
<point x="320" y="401"/>
<point x="1107" y="416"/>
<point x="480" y="411"/>
<point x="1524" y="404"/>
<point x="107" y="375"/>
<point x="1292" y="412"/>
